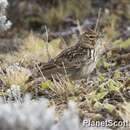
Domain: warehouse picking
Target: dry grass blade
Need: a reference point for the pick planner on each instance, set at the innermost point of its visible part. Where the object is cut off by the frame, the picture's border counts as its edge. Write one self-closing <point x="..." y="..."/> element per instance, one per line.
<point x="37" y="66"/>
<point x="47" y="50"/>
<point x="63" y="87"/>
<point x="79" y="27"/>
<point x="98" y="20"/>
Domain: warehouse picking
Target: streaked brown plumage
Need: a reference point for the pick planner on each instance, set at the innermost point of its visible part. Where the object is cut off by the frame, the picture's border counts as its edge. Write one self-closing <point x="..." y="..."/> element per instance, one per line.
<point x="77" y="61"/>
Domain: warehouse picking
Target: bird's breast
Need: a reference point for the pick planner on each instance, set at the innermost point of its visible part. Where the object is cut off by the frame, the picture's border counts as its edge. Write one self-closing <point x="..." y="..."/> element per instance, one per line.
<point x="88" y="68"/>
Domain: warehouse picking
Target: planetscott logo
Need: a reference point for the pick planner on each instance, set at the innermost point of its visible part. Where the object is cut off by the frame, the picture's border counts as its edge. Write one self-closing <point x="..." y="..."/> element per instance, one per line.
<point x="106" y="123"/>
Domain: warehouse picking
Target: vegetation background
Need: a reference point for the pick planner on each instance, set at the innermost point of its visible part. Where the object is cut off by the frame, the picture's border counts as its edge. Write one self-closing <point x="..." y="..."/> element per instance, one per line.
<point x="56" y="25"/>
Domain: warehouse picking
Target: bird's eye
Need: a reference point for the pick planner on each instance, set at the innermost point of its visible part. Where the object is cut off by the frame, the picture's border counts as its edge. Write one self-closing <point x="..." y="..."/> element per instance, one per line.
<point x="93" y="36"/>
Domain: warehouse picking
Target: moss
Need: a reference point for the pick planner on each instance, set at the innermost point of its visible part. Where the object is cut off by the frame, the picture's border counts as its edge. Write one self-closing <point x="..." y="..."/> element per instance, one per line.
<point x="122" y="44"/>
<point x="45" y="85"/>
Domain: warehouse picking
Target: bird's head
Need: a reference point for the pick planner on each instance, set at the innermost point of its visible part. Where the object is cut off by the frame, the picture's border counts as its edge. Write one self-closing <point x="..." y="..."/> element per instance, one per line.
<point x="92" y="39"/>
<point x="88" y="38"/>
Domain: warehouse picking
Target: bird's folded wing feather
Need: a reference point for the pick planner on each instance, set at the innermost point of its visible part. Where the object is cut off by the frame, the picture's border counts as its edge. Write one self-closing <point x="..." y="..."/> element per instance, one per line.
<point x="69" y="60"/>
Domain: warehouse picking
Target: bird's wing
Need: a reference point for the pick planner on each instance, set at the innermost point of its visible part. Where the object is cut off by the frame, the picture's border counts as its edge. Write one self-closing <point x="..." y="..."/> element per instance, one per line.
<point x="69" y="60"/>
<point x="73" y="57"/>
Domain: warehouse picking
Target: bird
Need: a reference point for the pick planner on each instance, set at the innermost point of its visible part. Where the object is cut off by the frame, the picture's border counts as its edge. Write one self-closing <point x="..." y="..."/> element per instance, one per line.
<point x="77" y="61"/>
